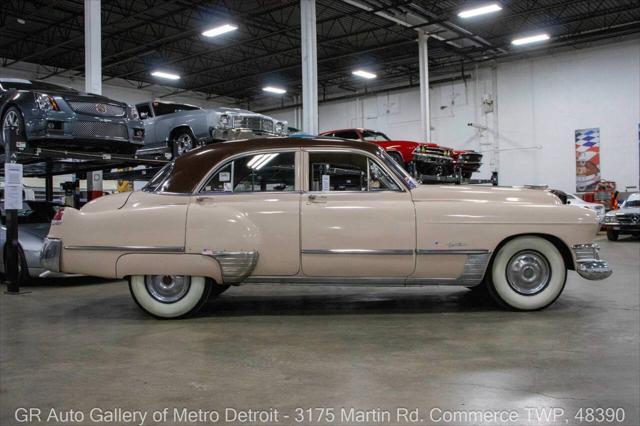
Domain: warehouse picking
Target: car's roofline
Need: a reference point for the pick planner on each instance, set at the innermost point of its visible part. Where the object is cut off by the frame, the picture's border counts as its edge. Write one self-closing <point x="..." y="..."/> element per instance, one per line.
<point x="189" y="169"/>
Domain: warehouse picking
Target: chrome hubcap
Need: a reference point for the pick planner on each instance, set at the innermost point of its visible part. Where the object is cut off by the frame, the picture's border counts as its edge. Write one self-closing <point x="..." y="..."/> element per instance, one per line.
<point x="528" y="272"/>
<point x="183" y="143"/>
<point x="167" y="288"/>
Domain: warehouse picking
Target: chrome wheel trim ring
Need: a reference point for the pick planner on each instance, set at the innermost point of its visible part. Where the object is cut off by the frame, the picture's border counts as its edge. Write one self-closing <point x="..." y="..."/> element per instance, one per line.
<point x="528" y="272"/>
<point x="184" y="143"/>
<point x="167" y="288"/>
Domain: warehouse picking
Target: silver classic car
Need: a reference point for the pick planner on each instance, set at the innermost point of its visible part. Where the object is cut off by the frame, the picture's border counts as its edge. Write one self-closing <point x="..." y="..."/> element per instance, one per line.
<point x="178" y="128"/>
<point x="58" y="117"/>
<point x="625" y="220"/>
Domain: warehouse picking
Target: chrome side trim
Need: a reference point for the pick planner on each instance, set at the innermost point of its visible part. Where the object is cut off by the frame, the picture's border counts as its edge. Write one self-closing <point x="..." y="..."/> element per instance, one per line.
<point x="146" y="249"/>
<point x="345" y="281"/>
<point x="235" y="265"/>
<point x="452" y="251"/>
<point x="384" y="252"/>
<point x="472" y="274"/>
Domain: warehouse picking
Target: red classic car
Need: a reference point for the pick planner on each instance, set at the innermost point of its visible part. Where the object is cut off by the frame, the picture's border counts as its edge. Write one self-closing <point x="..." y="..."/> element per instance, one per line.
<point x="421" y="157"/>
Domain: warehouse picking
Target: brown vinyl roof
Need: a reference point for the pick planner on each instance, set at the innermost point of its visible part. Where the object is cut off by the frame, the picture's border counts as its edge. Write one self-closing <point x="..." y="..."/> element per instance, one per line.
<point x="192" y="167"/>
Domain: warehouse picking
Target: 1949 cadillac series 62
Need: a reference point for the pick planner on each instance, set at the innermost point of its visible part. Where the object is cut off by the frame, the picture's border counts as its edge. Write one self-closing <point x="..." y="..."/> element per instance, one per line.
<point x="320" y="211"/>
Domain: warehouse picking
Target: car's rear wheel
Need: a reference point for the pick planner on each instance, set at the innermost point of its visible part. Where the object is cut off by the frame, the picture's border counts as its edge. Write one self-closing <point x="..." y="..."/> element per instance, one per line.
<point x="527" y="274"/>
<point x="170" y="296"/>
<point x="612" y="235"/>
<point x="12" y="118"/>
<point x="182" y="142"/>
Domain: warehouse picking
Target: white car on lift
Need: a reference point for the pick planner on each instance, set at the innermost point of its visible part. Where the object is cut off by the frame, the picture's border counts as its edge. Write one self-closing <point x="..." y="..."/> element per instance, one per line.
<point x="598" y="208"/>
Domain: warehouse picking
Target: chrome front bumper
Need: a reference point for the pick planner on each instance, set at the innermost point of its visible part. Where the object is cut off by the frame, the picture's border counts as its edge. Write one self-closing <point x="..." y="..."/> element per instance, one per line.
<point x="588" y="262"/>
<point x="50" y="254"/>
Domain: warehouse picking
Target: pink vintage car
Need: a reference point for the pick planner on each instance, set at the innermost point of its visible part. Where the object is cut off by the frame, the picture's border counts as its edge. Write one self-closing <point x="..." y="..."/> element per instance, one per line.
<point x="320" y="211"/>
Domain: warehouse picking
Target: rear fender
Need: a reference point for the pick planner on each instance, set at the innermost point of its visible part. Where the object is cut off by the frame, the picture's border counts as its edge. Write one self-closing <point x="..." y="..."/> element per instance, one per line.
<point x="168" y="264"/>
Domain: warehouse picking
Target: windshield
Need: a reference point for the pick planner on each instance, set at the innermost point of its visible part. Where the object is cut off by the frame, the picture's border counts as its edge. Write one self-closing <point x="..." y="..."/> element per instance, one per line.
<point x="370" y="135"/>
<point x="161" y="108"/>
<point x="398" y="170"/>
<point x="33" y="85"/>
<point x="632" y="203"/>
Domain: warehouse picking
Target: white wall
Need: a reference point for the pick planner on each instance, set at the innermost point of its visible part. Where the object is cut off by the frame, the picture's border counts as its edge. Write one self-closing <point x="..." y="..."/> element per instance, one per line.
<point x="543" y="101"/>
<point x="538" y="105"/>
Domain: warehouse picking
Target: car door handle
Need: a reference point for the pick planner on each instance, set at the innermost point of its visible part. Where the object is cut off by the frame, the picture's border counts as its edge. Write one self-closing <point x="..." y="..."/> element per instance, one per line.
<point x="201" y="200"/>
<point x="318" y="198"/>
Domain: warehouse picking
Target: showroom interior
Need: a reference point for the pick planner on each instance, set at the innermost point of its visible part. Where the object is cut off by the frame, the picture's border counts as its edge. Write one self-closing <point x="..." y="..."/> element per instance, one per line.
<point x="450" y="233"/>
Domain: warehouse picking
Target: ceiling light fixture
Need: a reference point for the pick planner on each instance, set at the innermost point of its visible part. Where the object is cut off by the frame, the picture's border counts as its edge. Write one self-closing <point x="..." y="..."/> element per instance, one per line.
<point x="167" y="75"/>
<point x="276" y="90"/>
<point x="364" y="74"/>
<point x="482" y="10"/>
<point x="222" y="29"/>
<point x="531" y="39"/>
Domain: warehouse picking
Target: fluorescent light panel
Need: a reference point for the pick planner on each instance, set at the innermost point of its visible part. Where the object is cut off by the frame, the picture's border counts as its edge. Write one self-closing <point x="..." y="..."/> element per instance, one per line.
<point x="532" y="39"/>
<point x="222" y="29"/>
<point x="277" y="90"/>
<point x="364" y="74"/>
<point x="167" y="75"/>
<point x="482" y="10"/>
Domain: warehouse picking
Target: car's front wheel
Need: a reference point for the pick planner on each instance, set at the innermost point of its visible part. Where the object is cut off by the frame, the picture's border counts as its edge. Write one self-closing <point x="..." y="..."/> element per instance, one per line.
<point x="170" y="296"/>
<point x="527" y="273"/>
<point x="612" y="235"/>
<point x="12" y="118"/>
<point x="182" y="142"/>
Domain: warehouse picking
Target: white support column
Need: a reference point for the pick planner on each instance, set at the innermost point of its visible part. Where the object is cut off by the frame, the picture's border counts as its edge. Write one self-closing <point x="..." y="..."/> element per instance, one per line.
<point x="309" y="67"/>
<point x="93" y="72"/>
<point x="425" y="113"/>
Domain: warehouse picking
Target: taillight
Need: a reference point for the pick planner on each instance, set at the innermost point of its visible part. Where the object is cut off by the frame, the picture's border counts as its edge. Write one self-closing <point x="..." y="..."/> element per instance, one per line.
<point x="57" y="218"/>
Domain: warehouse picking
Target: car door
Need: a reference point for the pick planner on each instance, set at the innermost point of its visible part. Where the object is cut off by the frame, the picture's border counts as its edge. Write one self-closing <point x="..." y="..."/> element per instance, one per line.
<point x="357" y="219"/>
<point x="251" y="204"/>
<point x="145" y="112"/>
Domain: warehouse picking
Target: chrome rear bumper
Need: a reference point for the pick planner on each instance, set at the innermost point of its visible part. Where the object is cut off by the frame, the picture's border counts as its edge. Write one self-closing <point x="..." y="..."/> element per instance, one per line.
<point x="588" y="262"/>
<point x="50" y="254"/>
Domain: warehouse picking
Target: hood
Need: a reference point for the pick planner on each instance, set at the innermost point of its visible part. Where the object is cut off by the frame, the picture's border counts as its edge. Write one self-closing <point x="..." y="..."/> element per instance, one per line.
<point x="86" y="97"/>
<point x="476" y="193"/>
<point x="626" y="210"/>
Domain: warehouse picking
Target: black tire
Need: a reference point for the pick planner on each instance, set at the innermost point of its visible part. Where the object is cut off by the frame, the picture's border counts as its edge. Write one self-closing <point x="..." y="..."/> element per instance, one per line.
<point x="217" y="290"/>
<point x="466" y="175"/>
<point x="612" y="235"/>
<point x="13" y="115"/>
<point x="182" y="141"/>
<point x="507" y="294"/>
<point x="190" y="303"/>
<point x="23" y="269"/>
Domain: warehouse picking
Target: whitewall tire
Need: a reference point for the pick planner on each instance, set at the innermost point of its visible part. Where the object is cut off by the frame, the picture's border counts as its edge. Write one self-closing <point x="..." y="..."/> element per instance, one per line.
<point x="169" y="296"/>
<point x="527" y="273"/>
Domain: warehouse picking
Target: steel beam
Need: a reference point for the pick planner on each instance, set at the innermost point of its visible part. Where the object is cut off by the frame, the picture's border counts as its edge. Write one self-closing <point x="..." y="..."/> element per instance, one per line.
<point x="309" y="67"/>
<point x="425" y="113"/>
<point x="93" y="72"/>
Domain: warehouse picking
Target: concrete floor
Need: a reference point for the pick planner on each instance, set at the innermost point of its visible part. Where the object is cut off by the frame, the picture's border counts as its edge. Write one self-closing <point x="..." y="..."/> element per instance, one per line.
<point x="81" y="343"/>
